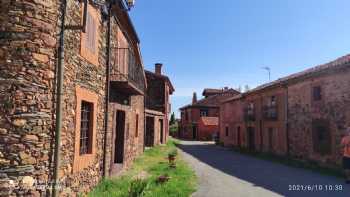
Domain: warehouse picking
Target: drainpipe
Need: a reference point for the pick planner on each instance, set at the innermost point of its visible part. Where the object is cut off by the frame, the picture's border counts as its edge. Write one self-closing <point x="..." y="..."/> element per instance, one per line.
<point x="108" y="66"/>
<point x="60" y="78"/>
<point x="260" y="124"/>
<point x="286" y="119"/>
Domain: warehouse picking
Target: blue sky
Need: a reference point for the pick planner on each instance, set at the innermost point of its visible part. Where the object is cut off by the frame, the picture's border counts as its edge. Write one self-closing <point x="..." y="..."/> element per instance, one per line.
<point x="213" y="44"/>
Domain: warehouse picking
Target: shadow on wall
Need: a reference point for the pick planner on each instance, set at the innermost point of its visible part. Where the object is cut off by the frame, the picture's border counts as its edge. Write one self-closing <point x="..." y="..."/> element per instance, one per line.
<point x="271" y="176"/>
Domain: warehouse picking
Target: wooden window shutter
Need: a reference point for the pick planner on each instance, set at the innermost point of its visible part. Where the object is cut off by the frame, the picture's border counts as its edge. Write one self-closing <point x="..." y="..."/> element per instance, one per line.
<point x="91" y="29"/>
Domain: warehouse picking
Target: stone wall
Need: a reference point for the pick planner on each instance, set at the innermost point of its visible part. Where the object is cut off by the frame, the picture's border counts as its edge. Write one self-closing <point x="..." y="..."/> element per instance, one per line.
<point x="28" y="31"/>
<point x="334" y="107"/>
<point x="79" y="72"/>
<point x="133" y="145"/>
<point x="231" y="116"/>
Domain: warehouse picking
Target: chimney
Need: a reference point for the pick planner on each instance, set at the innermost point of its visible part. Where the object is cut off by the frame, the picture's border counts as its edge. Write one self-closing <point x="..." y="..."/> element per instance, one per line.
<point x="158" y="68"/>
<point x="194" y="98"/>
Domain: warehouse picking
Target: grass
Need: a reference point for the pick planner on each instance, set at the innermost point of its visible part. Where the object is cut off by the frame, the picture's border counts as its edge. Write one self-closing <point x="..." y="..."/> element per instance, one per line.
<point x="154" y="163"/>
<point x="304" y="164"/>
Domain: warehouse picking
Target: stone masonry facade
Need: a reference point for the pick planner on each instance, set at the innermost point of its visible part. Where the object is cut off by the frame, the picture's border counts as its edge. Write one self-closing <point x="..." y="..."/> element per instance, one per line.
<point x="29" y="42"/>
<point x="303" y="116"/>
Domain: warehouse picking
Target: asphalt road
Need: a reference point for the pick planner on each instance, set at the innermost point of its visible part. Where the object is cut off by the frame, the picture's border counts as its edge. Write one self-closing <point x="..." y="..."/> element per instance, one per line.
<point x="224" y="173"/>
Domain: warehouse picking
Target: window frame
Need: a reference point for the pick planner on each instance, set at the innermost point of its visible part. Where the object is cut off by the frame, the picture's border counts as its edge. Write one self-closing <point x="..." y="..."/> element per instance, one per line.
<point x="83" y="161"/>
<point x="316" y="97"/>
<point x="88" y="136"/>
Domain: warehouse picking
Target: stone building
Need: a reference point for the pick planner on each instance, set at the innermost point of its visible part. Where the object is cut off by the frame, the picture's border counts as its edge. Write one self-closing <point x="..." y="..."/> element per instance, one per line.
<point x="203" y="112"/>
<point x="158" y="108"/>
<point x="303" y="115"/>
<point x="232" y="122"/>
<point x="94" y="49"/>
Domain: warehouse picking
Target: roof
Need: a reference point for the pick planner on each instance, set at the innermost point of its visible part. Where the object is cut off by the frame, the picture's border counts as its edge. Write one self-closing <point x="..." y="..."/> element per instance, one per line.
<point x="212" y="91"/>
<point x="211" y="101"/>
<point x="163" y="77"/>
<point x="210" y="121"/>
<point x="236" y="97"/>
<point x="341" y="62"/>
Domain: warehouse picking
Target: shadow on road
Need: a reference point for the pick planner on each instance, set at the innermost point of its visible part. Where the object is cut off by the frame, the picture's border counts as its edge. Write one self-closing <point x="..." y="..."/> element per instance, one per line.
<point x="275" y="177"/>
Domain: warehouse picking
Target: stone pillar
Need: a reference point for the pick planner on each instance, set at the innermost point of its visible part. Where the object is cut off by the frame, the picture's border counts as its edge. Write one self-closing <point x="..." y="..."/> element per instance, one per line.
<point x="28" y="42"/>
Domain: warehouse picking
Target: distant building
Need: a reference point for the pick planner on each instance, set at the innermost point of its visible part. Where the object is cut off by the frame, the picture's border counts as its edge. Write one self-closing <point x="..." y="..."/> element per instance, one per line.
<point x="303" y="115"/>
<point x="158" y="108"/>
<point x="199" y="120"/>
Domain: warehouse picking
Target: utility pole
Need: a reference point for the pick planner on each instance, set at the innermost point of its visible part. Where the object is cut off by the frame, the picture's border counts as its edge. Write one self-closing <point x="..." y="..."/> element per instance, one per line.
<point x="268" y="70"/>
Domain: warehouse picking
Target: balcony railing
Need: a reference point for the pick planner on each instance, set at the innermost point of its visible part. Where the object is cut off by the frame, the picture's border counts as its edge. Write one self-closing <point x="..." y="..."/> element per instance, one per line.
<point x="249" y="114"/>
<point x="126" y="72"/>
<point x="270" y="112"/>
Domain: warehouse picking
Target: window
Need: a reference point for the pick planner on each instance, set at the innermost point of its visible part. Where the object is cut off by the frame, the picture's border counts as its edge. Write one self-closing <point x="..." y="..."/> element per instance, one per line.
<point x="85" y="128"/>
<point x="204" y="112"/>
<point x="186" y="115"/>
<point x="317" y="93"/>
<point x="89" y="39"/>
<point x="321" y="136"/>
<point x="226" y="131"/>
<point x="137" y="126"/>
<point x="272" y="101"/>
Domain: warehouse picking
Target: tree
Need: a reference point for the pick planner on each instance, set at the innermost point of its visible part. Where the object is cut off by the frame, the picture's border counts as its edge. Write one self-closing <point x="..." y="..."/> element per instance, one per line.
<point x="172" y="119"/>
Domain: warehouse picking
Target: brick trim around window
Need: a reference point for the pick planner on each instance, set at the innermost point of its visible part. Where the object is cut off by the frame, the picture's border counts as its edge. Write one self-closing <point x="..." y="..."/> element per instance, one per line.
<point x="89" y="40"/>
<point x="82" y="161"/>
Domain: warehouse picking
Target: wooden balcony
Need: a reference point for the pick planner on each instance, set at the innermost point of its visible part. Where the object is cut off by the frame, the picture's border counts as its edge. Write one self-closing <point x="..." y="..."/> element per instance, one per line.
<point x="249" y="114"/>
<point x="126" y="74"/>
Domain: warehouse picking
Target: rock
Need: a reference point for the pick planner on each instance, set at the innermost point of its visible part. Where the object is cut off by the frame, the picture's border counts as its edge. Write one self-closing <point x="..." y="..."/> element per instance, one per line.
<point x="27" y="182"/>
<point x="3" y="131"/>
<point x="49" y="74"/>
<point x="48" y="40"/>
<point x="30" y="138"/>
<point x="19" y="122"/>
<point x="6" y="187"/>
<point x="27" y="158"/>
<point x="41" y="57"/>
<point x="4" y="162"/>
<point x="3" y="176"/>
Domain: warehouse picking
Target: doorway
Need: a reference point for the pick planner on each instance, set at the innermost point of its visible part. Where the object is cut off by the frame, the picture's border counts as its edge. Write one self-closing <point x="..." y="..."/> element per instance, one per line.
<point x="239" y="136"/>
<point x="119" y="134"/>
<point x="149" y="140"/>
<point x="194" y="132"/>
<point x="251" y="138"/>
<point x="161" y="125"/>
